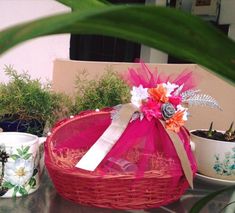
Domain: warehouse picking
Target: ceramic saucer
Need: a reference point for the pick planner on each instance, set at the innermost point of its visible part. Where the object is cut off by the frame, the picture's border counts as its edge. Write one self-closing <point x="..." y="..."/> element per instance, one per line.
<point x="215" y="180"/>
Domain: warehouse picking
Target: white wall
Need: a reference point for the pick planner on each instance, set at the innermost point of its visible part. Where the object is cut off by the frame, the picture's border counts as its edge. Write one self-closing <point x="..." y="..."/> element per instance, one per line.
<point x="227" y="15"/>
<point x="35" y="56"/>
<point x="150" y="55"/>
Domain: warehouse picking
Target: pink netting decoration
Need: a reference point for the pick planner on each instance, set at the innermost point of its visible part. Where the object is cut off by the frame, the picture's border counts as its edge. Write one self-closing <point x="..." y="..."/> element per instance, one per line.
<point x="150" y="78"/>
<point x="144" y="145"/>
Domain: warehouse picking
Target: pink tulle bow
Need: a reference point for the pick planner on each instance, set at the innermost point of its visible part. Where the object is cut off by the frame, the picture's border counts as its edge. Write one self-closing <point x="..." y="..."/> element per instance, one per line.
<point x="148" y="78"/>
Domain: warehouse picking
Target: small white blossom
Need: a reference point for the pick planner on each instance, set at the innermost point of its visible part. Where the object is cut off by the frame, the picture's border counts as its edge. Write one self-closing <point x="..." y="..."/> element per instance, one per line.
<point x="138" y="95"/>
<point x="181" y="108"/>
<point x="178" y="91"/>
<point x="169" y="87"/>
<point x="19" y="172"/>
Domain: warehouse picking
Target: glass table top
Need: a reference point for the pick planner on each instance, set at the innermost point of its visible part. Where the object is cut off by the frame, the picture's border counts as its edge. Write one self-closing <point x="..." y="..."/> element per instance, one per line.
<point x="47" y="200"/>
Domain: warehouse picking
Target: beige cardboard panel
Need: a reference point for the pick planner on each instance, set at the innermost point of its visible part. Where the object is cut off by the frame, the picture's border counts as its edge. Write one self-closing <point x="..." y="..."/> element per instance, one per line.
<point x="65" y="72"/>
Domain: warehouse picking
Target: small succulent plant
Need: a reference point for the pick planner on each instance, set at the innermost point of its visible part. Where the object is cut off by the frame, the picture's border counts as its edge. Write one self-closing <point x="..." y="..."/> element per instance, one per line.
<point x="228" y="135"/>
<point x="210" y="132"/>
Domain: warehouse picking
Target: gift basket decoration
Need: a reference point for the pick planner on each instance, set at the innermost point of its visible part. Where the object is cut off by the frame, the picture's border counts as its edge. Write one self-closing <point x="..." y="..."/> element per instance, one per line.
<point x="131" y="156"/>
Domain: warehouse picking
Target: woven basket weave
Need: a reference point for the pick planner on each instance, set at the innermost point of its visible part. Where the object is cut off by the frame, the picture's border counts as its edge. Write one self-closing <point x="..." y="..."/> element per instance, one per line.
<point x="121" y="191"/>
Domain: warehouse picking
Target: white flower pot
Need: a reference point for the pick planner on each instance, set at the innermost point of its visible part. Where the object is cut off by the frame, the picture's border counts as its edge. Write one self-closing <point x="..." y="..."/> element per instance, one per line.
<point x="214" y="158"/>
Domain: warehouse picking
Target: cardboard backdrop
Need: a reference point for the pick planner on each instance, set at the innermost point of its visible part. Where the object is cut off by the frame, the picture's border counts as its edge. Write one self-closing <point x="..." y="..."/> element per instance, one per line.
<point x="66" y="71"/>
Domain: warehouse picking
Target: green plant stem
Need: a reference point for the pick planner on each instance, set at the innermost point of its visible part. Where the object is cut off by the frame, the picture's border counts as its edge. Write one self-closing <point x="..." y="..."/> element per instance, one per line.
<point x="210" y="131"/>
<point x="229" y="134"/>
<point x="231" y="128"/>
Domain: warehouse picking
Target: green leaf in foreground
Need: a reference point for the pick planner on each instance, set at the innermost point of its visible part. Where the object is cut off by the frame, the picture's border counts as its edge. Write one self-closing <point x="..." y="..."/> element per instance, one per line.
<point x="15" y="157"/>
<point x="32" y="182"/>
<point x="8" y="185"/>
<point x="27" y="156"/>
<point x="173" y="31"/>
<point x="23" y="191"/>
<point x="197" y="207"/>
<point x="26" y="149"/>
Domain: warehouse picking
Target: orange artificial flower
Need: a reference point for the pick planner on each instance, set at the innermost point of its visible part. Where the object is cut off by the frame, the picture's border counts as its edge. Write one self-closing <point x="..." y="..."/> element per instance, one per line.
<point x="175" y="122"/>
<point x="158" y="94"/>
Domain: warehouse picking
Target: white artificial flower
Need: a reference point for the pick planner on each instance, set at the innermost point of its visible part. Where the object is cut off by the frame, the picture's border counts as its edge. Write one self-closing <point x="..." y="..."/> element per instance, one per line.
<point x="138" y="94"/>
<point x="169" y="88"/>
<point x="181" y="108"/>
<point x="19" y="172"/>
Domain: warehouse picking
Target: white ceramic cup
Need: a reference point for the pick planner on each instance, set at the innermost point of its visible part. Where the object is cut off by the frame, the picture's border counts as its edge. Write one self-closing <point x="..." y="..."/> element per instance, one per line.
<point x="21" y="163"/>
<point x="214" y="158"/>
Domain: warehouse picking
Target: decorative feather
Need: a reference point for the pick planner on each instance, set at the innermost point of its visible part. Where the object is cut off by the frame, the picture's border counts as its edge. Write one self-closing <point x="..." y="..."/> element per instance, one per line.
<point x="202" y="99"/>
<point x="189" y="93"/>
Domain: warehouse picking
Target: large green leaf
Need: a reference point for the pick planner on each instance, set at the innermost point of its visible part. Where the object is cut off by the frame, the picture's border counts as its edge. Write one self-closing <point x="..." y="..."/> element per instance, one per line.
<point x="169" y="30"/>
<point x="198" y="206"/>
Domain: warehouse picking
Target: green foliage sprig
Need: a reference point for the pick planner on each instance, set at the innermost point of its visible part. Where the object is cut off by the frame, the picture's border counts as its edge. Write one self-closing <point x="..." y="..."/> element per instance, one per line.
<point x="109" y="90"/>
<point x="23" y="98"/>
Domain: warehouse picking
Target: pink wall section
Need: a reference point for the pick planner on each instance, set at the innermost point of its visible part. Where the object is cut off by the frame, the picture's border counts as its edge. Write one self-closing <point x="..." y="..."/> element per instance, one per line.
<point x="65" y="72"/>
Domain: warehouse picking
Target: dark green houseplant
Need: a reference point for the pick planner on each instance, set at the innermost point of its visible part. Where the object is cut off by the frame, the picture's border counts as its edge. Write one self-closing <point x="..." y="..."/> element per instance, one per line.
<point x="175" y="32"/>
<point x="109" y="90"/>
<point x="26" y="105"/>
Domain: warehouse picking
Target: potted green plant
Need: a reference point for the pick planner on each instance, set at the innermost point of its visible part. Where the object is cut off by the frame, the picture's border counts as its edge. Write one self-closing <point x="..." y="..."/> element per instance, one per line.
<point x="107" y="91"/>
<point x="26" y="105"/>
<point x="210" y="133"/>
<point x="215" y="152"/>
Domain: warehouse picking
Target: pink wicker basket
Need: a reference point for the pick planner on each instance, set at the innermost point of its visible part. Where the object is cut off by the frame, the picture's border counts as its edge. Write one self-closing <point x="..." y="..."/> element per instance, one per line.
<point x="121" y="191"/>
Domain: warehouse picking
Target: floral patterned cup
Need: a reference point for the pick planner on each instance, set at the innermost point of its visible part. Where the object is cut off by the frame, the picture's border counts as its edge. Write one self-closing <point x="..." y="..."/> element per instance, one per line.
<point x="214" y="158"/>
<point x="21" y="163"/>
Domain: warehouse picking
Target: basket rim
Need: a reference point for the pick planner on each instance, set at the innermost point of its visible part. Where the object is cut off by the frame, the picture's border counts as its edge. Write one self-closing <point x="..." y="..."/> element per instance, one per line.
<point x="62" y="123"/>
<point x="81" y="115"/>
<point x="91" y="175"/>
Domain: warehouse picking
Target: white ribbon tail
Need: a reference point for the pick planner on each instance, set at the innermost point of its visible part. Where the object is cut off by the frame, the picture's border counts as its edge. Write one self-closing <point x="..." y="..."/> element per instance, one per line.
<point x="104" y="144"/>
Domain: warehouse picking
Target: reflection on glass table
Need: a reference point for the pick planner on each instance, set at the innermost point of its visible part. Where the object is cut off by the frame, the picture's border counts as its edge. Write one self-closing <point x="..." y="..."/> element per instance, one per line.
<point x="47" y="200"/>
